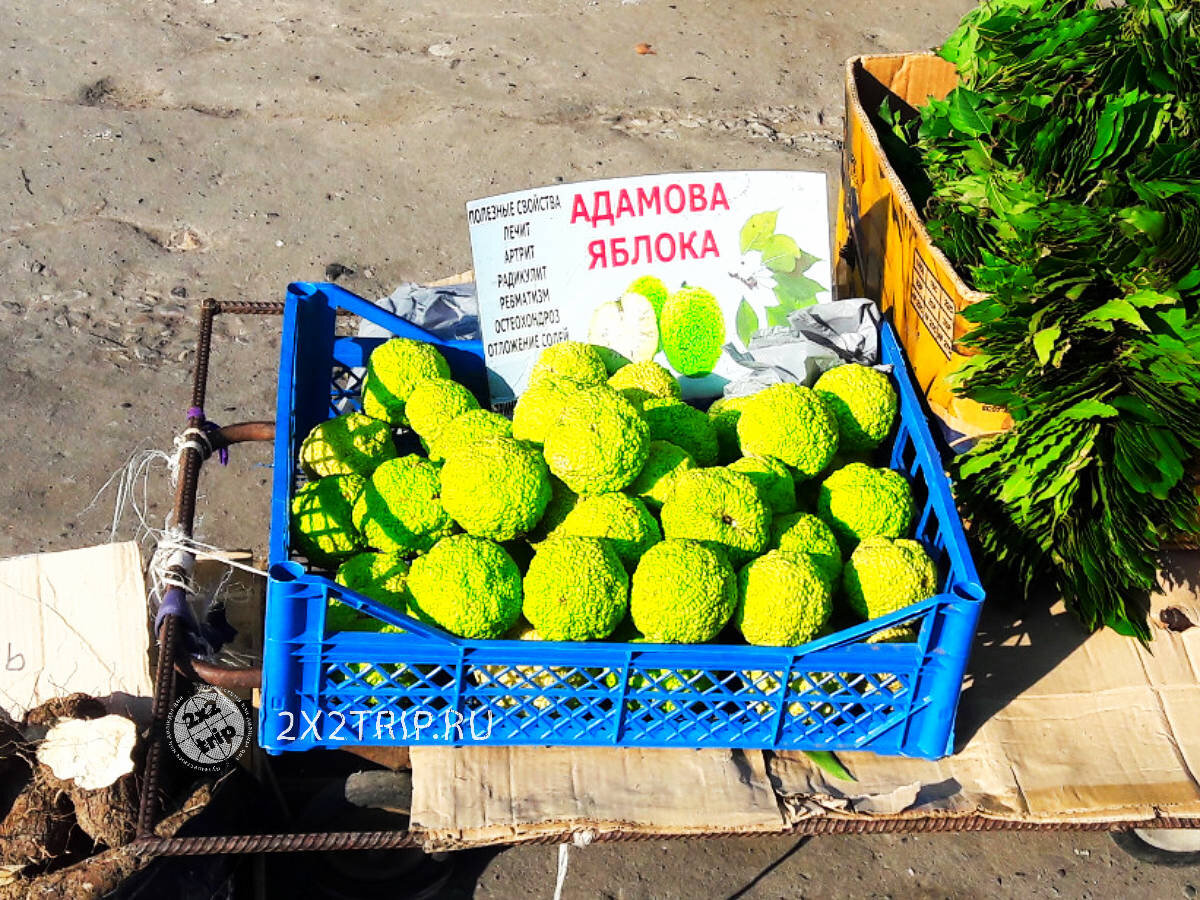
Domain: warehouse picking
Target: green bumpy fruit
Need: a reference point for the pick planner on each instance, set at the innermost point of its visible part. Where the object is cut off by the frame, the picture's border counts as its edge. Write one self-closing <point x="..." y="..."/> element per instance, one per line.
<point x="573" y="360"/>
<point x="783" y="600"/>
<point x="683" y="593"/>
<point x="720" y="508"/>
<point x="467" y="585"/>
<point x="562" y="501"/>
<point x="350" y="444"/>
<point x="665" y="464"/>
<point x="394" y="369"/>
<point x="541" y="406"/>
<point x="466" y="428"/>
<point x="791" y="423"/>
<point x="653" y="289"/>
<point x="864" y="402"/>
<point x="496" y="488"/>
<point x="859" y="502"/>
<point x="575" y="590"/>
<point x="684" y="426"/>
<point x="435" y="403"/>
<point x="724" y="414"/>
<point x="382" y="577"/>
<point x="641" y="381"/>
<point x="773" y="480"/>
<point x="806" y="492"/>
<point x="692" y="329"/>
<point x="400" y="509"/>
<point x="621" y="522"/>
<point x="323" y="518"/>
<point x="804" y="533"/>
<point x="884" y="575"/>
<point x="599" y="443"/>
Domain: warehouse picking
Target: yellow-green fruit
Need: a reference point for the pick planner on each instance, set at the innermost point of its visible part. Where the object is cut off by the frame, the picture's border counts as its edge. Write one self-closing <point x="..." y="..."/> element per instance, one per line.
<point x="804" y="533"/>
<point x="382" y="577"/>
<point x="884" y="575"/>
<point x="682" y="593"/>
<point x="562" y="501"/>
<point x="665" y="464"/>
<point x="574" y="360"/>
<point x="575" y="590"/>
<point x="806" y="492"/>
<point x="773" y="480"/>
<point x="541" y="406"/>
<point x="599" y="443"/>
<point x="724" y="414"/>
<point x="394" y="369"/>
<point x="791" y="423"/>
<point x="323" y="518"/>
<point x="859" y="502"/>
<point x="400" y="509"/>
<point x="684" y="426"/>
<point x="350" y="444"/>
<point x="640" y="381"/>
<point x="467" y="585"/>
<point x="692" y="330"/>
<point x="435" y="403"/>
<point x="783" y="600"/>
<point x="864" y="402"/>
<point x="466" y="428"/>
<point x="901" y="634"/>
<point x="620" y="522"/>
<point x="496" y="488"/>
<point x="721" y="508"/>
<point x="653" y="289"/>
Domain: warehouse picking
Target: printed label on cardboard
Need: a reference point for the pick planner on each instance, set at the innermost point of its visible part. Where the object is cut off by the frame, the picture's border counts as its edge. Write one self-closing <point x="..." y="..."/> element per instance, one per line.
<point x="933" y="305"/>
<point x="607" y="262"/>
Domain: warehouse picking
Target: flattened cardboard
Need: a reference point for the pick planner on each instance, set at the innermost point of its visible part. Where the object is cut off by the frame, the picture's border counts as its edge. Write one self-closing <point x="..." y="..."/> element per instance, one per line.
<point x="1058" y="726"/>
<point x="75" y="621"/>
<point x="483" y="795"/>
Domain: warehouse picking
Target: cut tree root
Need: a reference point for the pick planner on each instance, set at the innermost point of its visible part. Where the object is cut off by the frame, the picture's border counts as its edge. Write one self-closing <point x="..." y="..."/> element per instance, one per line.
<point x="104" y="872"/>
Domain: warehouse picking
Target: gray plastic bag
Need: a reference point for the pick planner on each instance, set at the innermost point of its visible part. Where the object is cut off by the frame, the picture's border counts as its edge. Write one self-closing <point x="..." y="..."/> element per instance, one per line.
<point x="450" y="312"/>
<point x="815" y="340"/>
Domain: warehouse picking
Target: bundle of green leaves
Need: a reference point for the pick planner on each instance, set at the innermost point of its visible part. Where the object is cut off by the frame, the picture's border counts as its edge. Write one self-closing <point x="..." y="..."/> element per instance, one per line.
<point x="1062" y="177"/>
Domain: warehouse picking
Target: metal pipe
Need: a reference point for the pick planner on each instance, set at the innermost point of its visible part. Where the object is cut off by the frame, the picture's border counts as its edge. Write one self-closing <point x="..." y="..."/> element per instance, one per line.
<point x="388" y="840"/>
<point x="229" y="677"/>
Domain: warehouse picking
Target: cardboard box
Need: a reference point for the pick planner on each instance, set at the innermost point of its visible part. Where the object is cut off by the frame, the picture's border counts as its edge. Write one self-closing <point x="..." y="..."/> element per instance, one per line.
<point x="886" y="253"/>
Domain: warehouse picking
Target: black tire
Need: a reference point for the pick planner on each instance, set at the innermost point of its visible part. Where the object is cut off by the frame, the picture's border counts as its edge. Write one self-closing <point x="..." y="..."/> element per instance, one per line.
<point x="1135" y="843"/>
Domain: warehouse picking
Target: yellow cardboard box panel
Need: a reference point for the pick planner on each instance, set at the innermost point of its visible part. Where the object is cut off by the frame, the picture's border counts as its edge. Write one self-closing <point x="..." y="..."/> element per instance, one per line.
<point x="886" y="252"/>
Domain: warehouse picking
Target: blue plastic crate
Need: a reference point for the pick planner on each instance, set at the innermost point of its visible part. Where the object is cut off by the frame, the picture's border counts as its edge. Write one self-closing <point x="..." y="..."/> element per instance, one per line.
<point x="427" y="687"/>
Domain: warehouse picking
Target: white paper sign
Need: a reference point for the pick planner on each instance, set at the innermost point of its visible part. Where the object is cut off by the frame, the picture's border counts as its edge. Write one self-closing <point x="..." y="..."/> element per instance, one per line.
<point x="558" y="263"/>
<point x="74" y="621"/>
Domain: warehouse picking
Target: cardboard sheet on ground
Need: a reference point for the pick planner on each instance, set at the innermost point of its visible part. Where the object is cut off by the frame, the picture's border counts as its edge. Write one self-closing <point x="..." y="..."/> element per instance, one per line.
<point x="1054" y="725"/>
<point x="74" y="621"/>
<point x="487" y="795"/>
